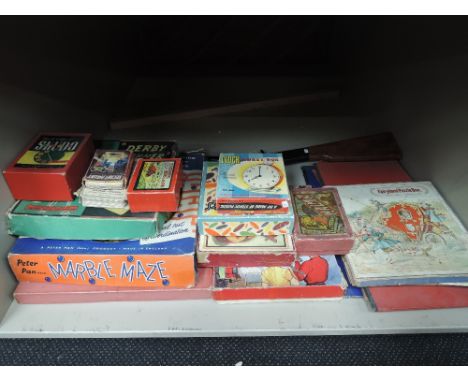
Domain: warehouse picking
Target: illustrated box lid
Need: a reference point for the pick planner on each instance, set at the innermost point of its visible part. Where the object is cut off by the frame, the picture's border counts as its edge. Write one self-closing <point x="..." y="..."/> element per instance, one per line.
<point x="215" y="220"/>
<point x="50" y="153"/>
<point x="251" y="175"/>
<point x="321" y="224"/>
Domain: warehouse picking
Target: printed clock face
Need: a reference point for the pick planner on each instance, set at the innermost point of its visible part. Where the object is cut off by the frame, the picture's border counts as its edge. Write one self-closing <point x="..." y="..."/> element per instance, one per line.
<point x="261" y="176"/>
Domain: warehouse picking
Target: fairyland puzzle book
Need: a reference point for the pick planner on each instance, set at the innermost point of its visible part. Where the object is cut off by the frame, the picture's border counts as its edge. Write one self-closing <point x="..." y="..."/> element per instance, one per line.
<point x="216" y="223"/>
<point x="252" y="182"/>
<point x="405" y="234"/>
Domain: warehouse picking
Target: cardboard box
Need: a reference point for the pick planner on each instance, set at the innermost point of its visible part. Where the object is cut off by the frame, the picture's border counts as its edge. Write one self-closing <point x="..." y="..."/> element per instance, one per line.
<point x="214" y="223"/>
<point x="155" y="185"/>
<point x="309" y="278"/>
<point x="73" y="221"/>
<point x="51" y="293"/>
<point x="123" y="263"/>
<point x="252" y="182"/>
<point x="245" y="251"/>
<point x="50" y="168"/>
<point x="321" y="226"/>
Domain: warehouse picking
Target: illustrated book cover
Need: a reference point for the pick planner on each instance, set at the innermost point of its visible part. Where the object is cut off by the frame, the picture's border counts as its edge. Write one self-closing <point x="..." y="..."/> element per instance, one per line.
<point x="321" y="226"/>
<point x="50" y="168"/>
<point x="213" y="222"/>
<point x="308" y="277"/>
<point x="405" y="234"/>
<point x="255" y="182"/>
<point x="245" y="251"/>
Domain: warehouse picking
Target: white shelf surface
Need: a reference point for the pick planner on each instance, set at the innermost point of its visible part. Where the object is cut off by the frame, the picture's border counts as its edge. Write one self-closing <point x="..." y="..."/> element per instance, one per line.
<point x="209" y="318"/>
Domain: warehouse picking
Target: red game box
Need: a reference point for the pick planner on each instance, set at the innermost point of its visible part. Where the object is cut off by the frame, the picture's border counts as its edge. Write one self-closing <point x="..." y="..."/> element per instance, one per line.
<point x="155" y="185"/>
<point x="50" y="168"/>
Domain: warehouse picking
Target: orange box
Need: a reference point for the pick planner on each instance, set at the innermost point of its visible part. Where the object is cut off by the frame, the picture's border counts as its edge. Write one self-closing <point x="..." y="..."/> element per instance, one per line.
<point x="50" y="168"/>
<point x="155" y="185"/>
<point x="123" y="263"/>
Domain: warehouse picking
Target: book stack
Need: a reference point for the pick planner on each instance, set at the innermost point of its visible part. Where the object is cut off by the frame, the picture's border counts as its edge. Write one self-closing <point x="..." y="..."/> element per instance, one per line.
<point x="246" y="224"/>
<point x="411" y="250"/>
<point x="105" y="182"/>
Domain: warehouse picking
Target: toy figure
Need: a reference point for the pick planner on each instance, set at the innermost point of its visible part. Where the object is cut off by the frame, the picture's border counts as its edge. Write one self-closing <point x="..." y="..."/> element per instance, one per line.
<point x="311" y="270"/>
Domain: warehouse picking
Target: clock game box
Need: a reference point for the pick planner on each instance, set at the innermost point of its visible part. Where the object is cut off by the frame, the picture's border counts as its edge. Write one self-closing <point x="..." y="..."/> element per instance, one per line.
<point x="321" y="226"/>
<point x="245" y="251"/>
<point x="50" y="168"/>
<point x="252" y="182"/>
<point x="215" y="223"/>
<point x="155" y="185"/>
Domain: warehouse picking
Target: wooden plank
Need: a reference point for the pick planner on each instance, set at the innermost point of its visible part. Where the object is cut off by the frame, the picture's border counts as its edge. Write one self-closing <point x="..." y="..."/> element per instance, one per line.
<point x="221" y="110"/>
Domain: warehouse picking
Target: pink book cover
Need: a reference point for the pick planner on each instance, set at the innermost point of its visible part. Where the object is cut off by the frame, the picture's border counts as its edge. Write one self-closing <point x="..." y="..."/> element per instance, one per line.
<point x="344" y="173"/>
<point x="321" y="226"/>
<point x="45" y="293"/>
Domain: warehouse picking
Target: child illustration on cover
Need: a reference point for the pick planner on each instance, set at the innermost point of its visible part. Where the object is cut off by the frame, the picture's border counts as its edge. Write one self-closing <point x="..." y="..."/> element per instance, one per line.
<point x="311" y="270"/>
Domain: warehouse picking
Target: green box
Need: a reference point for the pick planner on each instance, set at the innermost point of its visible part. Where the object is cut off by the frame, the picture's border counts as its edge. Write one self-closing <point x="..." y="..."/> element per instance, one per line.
<point x="73" y="221"/>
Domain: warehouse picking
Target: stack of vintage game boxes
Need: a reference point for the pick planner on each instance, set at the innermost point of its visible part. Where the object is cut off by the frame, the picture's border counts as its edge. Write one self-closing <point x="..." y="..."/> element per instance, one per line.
<point x="68" y="251"/>
<point x="246" y="223"/>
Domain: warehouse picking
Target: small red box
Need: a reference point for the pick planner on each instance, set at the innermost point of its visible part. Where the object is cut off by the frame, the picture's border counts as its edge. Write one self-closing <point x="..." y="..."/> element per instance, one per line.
<point x="50" y="168"/>
<point x="155" y="185"/>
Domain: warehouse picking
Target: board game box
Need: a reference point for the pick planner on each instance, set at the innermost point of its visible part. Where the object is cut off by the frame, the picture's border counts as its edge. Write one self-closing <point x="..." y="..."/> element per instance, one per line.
<point x="405" y="234"/>
<point x="166" y="260"/>
<point x="73" y="221"/>
<point x="52" y="293"/>
<point x="321" y="226"/>
<point x="50" y="168"/>
<point x="309" y="277"/>
<point x="155" y="185"/>
<point x="245" y="251"/>
<point x="215" y="223"/>
<point x="252" y="182"/>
